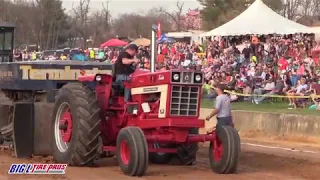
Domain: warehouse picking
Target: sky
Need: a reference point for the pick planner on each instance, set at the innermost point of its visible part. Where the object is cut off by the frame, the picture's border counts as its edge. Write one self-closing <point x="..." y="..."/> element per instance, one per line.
<point x="117" y="7"/>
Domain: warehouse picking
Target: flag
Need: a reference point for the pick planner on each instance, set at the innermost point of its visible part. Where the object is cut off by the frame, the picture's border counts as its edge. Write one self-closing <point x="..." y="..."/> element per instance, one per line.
<point x="159" y="30"/>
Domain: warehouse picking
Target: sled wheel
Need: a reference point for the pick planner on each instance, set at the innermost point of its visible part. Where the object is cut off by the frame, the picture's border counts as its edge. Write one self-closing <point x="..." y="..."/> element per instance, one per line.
<point x="132" y="151"/>
<point x="224" y="151"/>
<point x="75" y="125"/>
<point x="187" y="153"/>
<point x="158" y="157"/>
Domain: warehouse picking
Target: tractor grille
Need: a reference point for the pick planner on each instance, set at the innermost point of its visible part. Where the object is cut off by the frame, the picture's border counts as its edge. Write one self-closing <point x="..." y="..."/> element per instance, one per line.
<point x="184" y="101"/>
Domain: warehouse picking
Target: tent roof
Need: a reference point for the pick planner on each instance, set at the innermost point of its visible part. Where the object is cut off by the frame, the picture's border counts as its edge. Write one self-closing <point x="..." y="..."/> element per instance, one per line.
<point x="258" y="19"/>
<point x="141" y="42"/>
<point x="113" y="43"/>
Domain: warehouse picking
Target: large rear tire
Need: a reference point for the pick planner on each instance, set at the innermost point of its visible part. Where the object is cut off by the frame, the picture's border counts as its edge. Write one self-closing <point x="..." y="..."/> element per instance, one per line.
<point x="76" y="126"/>
<point x="224" y="153"/>
<point x="132" y="151"/>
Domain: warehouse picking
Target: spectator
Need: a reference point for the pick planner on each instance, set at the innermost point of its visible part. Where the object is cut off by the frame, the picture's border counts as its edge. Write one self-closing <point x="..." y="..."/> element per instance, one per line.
<point x="276" y="90"/>
<point x="297" y="91"/>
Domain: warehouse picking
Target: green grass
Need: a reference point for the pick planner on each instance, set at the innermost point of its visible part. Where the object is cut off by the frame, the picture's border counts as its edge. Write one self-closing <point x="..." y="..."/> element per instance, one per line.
<point x="277" y="107"/>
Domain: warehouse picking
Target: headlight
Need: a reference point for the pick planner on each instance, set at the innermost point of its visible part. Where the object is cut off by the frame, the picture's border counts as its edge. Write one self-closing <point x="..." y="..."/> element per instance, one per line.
<point x="98" y="78"/>
<point x="176" y="77"/>
<point x="198" y="78"/>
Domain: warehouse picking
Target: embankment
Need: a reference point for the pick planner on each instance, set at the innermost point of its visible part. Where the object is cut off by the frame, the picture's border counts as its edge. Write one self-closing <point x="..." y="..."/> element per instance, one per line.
<point x="273" y="124"/>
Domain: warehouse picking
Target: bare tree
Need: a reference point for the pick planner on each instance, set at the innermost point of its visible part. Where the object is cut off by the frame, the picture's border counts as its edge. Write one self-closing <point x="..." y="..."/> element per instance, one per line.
<point x="309" y="8"/>
<point x="308" y="12"/>
<point x="106" y="14"/>
<point x="136" y="25"/>
<point x="176" y="15"/>
<point x="81" y="19"/>
<point x="291" y="8"/>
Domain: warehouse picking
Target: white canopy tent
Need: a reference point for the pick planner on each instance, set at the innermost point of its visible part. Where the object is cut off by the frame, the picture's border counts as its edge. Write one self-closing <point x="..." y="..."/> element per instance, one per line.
<point x="258" y="19"/>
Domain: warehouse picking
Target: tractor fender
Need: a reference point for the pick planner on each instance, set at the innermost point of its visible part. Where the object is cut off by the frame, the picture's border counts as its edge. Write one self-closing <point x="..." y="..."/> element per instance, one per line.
<point x="103" y="87"/>
<point x="107" y="78"/>
<point x="87" y="78"/>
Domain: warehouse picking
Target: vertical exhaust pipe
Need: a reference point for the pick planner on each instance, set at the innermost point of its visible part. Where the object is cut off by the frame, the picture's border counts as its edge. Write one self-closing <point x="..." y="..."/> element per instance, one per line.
<point x="153" y="48"/>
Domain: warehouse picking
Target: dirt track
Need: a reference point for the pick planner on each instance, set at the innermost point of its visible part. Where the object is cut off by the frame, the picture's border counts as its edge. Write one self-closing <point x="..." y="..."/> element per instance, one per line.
<point x="256" y="163"/>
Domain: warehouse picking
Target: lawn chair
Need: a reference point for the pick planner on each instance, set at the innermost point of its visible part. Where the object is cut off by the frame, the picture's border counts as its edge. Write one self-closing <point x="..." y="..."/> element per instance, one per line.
<point x="314" y="98"/>
<point x="306" y="102"/>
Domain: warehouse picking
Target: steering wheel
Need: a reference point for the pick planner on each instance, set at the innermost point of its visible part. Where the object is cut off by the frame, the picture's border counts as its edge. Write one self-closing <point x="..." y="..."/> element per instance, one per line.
<point x="133" y="67"/>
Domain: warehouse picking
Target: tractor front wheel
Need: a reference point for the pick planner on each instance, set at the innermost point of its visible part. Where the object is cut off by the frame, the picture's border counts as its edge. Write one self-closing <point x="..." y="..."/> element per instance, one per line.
<point x="75" y="126"/>
<point x="132" y="151"/>
<point x="225" y="150"/>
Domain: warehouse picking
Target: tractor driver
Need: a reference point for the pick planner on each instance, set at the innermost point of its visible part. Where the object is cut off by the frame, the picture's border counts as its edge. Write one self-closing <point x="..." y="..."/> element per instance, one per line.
<point x="124" y="66"/>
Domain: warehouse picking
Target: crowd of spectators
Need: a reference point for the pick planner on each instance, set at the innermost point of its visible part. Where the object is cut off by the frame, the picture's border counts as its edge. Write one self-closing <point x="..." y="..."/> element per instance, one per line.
<point x="256" y="67"/>
<point x="89" y="54"/>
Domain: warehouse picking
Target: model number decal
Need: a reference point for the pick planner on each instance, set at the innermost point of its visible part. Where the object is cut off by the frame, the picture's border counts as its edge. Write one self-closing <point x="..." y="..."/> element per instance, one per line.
<point x="152" y="89"/>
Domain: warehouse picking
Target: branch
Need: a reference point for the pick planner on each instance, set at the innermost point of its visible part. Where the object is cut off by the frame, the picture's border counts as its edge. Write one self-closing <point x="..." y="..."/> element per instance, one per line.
<point x="169" y="14"/>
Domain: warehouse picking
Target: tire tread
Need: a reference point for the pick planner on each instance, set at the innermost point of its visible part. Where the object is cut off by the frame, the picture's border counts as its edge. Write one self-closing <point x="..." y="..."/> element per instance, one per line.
<point x="86" y="142"/>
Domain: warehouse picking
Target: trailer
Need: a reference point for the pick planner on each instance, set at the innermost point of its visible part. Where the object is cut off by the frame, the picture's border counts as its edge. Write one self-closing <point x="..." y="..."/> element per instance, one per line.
<point x="28" y="90"/>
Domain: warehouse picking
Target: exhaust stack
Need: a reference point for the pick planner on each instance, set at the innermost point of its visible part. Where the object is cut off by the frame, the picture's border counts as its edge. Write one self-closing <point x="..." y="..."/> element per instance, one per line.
<point x="153" y="48"/>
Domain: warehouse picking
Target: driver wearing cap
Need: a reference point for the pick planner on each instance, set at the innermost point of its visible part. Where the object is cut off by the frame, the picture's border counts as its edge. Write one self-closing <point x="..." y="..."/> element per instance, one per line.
<point x="124" y="67"/>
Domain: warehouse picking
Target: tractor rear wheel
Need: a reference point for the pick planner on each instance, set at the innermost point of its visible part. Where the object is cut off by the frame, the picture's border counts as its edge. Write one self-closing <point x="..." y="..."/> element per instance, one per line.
<point x="224" y="152"/>
<point x="75" y="126"/>
<point x="132" y="151"/>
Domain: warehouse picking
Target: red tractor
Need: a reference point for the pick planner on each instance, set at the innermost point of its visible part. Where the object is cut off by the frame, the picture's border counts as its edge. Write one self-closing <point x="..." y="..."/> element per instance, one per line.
<point x="161" y="123"/>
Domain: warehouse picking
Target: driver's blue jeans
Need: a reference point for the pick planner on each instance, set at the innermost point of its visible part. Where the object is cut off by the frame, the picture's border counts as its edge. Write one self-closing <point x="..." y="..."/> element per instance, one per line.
<point x="120" y="78"/>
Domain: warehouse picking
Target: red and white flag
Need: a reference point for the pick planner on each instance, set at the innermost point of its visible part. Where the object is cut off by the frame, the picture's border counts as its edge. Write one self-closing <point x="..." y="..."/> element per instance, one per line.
<point x="159" y="30"/>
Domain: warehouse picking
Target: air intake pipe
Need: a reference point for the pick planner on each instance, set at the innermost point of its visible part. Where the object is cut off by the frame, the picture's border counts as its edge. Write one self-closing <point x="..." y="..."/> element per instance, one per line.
<point x="153" y="48"/>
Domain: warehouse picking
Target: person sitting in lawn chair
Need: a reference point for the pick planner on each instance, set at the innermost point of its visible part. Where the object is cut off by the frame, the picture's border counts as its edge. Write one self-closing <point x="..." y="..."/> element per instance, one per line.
<point x="303" y="102"/>
<point x="314" y="93"/>
<point x="267" y="86"/>
<point x="299" y="90"/>
<point x="276" y="90"/>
